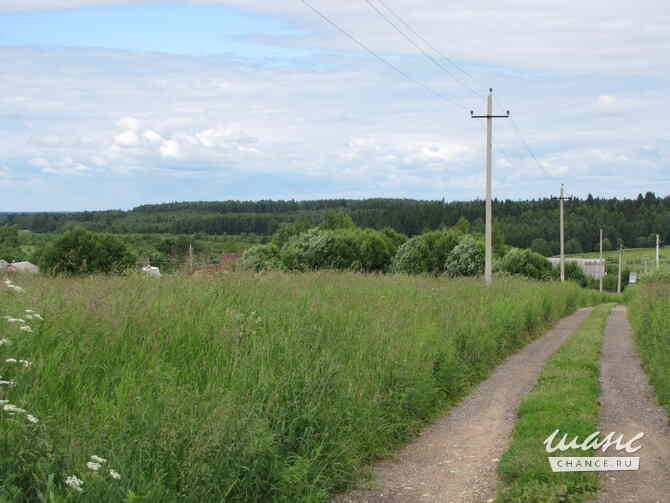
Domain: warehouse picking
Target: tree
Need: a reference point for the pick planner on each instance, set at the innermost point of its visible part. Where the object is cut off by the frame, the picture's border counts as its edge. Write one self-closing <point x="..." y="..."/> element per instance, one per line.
<point x="607" y="244"/>
<point x="573" y="246"/>
<point x="466" y="259"/>
<point x="526" y="263"/>
<point x="82" y="252"/>
<point x="541" y="246"/>
<point x="463" y="225"/>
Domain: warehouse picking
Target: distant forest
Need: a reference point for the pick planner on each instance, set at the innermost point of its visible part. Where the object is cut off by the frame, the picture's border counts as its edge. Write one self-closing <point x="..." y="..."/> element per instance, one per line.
<point x="525" y="224"/>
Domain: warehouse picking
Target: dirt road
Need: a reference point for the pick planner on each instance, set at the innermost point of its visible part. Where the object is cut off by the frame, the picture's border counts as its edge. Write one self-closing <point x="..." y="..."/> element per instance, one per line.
<point x="628" y="407"/>
<point x="455" y="459"/>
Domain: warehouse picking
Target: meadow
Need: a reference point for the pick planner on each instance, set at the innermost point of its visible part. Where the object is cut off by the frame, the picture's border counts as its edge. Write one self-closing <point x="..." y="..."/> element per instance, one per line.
<point x="240" y="387"/>
<point x="649" y="315"/>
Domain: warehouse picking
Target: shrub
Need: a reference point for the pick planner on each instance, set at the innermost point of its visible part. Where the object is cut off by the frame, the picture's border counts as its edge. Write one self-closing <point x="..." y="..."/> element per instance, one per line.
<point x="466" y="259"/>
<point x="259" y="258"/>
<point x="79" y="251"/>
<point x="526" y="263"/>
<point x="426" y="253"/>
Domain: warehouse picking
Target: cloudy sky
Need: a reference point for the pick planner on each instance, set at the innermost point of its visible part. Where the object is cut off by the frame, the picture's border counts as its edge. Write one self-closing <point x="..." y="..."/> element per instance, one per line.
<point x="112" y="103"/>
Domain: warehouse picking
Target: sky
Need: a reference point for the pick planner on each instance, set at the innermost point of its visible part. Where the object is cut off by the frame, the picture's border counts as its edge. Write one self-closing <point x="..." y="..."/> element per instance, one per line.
<point x="109" y="104"/>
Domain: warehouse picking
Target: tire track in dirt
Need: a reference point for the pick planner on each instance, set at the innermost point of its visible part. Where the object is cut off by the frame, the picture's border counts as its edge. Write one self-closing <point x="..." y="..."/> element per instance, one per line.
<point x="455" y="459"/>
<point x="629" y="407"/>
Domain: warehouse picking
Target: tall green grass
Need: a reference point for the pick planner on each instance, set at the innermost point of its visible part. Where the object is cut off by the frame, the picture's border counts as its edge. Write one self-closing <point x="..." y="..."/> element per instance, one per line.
<point x="649" y="314"/>
<point x="246" y="388"/>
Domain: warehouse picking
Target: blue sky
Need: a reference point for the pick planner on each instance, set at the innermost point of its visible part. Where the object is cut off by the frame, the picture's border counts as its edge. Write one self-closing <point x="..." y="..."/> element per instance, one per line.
<point x="112" y="104"/>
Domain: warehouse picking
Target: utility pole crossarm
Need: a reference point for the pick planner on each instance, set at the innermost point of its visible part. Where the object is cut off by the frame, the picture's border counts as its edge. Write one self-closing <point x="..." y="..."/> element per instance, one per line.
<point x="488" y="255"/>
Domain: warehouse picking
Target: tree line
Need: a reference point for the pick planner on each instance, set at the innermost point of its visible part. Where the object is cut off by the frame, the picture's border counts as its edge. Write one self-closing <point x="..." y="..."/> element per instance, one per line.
<point x="525" y="224"/>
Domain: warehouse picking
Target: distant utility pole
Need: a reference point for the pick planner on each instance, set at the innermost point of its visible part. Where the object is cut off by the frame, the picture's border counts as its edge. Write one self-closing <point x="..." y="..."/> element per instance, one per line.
<point x="190" y="258"/>
<point x="562" y="198"/>
<point x="602" y="272"/>
<point x="658" y="256"/>
<point x="618" y="286"/>
<point x="488" y="261"/>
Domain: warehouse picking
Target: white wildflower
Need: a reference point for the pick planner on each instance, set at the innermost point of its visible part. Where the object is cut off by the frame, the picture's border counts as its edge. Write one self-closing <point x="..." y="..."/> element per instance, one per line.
<point x="32" y="418"/>
<point x="29" y="311"/>
<point x="5" y="341"/>
<point x="37" y="317"/>
<point x="74" y="482"/>
<point x="26" y="328"/>
<point x="3" y="402"/>
<point x="13" y="408"/>
<point x="17" y="288"/>
<point x="98" y="459"/>
<point x="11" y="360"/>
<point x="114" y="474"/>
<point x="93" y="466"/>
<point x="29" y="317"/>
<point x="26" y="363"/>
<point x="15" y="320"/>
<point x="8" y="383"/>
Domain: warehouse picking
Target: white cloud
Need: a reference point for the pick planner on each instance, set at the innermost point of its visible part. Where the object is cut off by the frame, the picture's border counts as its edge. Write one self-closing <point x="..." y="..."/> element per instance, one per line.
<point x="128" y="138"/>
<point x="39" y="162"/>
<point x="170" y="149"/>
<point x="152" y="136"/>
<point x="129" y="123"/>
<point x="606" y="100"/>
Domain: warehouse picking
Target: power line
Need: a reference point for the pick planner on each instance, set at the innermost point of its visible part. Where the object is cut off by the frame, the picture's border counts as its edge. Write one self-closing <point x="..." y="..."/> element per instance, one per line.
<point x="437" y="51"/>
<point x="432" y="91"/>
<point x="428" y="56"/>
<point x="530" y="151"/>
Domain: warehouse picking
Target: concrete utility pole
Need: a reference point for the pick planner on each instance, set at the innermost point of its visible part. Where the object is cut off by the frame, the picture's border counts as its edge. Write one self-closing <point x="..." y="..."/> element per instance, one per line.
<point x="618" y="286"/>
<point x="658" y="256"/>
<point x="488" y="256"/>
<point x="562" y="198"/>
<point x="602" y="272"/>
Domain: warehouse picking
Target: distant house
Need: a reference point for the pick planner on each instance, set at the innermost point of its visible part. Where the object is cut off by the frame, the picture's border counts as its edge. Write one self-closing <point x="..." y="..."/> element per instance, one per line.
<point x="226" y="263"/>
<point x="592" y="267"/>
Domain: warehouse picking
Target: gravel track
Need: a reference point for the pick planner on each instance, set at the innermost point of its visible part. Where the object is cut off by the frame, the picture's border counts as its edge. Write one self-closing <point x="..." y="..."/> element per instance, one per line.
<point x="628" y="407"/>
<point x="455" y="459"/>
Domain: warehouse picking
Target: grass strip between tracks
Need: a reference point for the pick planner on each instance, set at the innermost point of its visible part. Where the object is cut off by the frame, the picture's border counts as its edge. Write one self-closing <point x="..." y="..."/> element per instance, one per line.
<point x="565" y="398"/>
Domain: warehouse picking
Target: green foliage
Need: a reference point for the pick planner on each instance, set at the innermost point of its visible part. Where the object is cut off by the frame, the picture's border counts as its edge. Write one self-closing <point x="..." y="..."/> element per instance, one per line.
<point x="10" y="244"/>
<point x="395" y="238"/>
<point x="426" y="253"/>
<point x="526" y="263"/>
<point x="573" y="246"/>
<point x="466" y="259"/>
<point x="82" y="252"/>
<point x="575" y="273"/>
<point x="541" y="246"/>
<point x="649" y="316"/>
<point x="337" y="219"/>
<point x="260" y="258"/>
<point x="288" y="230"/>
<point x="572" y="372"/>
<point x="274" y="387"/>
<point x="344" y="248"/>
<point x="462" y="226"/>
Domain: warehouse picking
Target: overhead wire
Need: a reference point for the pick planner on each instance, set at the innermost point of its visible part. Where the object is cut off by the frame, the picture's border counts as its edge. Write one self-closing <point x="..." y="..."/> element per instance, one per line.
<point x="432" y="91"/>
<point x="426" y="54"/>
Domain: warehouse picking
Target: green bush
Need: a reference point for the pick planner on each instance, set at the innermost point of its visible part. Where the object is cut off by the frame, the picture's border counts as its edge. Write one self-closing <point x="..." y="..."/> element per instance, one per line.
<point x="344" y="248"/>
<point x="259" y="258"/>
<point x="466" y="259"/>
<point x="526" y="263"/>
<point x="81" y="252"/>
<point x="426" y="253"/>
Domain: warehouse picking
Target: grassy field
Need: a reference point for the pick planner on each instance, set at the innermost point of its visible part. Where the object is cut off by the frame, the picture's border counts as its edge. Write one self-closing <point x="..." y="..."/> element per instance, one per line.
<point x="243" y="388"/>
<point x="634" y="258"/>
<point x="649" y="316"/>
<point x="566" y="399"/>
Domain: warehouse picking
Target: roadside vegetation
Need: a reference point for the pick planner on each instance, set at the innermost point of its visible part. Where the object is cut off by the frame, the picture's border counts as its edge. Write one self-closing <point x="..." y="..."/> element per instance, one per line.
<point x="649" y="316"/>
<point x="248" y="388"/>
<point x="565" y="398"/>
